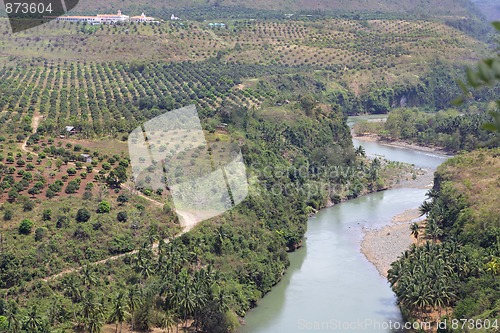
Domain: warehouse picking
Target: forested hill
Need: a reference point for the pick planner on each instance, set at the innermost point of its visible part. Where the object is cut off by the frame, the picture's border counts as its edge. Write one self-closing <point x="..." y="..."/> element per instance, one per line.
<point x="456" y="272"/>
<point x="422" y="8"/>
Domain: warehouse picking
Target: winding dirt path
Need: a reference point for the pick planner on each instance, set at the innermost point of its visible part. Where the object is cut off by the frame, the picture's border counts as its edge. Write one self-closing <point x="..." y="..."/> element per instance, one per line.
<point x="35" y="122"/>
<point x="188" y="220"/>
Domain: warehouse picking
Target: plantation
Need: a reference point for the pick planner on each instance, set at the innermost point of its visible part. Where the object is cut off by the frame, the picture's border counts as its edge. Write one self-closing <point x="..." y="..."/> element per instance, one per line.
<point x="358" y="65"/>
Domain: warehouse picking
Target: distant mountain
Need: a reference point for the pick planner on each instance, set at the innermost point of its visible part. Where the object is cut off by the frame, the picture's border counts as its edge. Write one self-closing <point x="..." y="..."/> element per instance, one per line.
<point x="489" y="8"/>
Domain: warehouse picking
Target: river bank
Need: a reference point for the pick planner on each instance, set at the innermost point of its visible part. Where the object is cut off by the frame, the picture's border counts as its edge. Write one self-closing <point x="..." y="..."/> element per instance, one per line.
<point x="332" y="264"/>
<point x="399" y="144"/>
<point x="383" y="246"/>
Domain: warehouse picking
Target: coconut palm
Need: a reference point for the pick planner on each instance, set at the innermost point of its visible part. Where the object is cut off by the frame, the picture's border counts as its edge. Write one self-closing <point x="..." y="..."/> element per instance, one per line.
<point x="360" y="151"/>
<point x="133" y="300"/>
<point x="168" y="320"/>
<point x="88" y="276"/>
<point x="425" y="208"/>
<point x="415" y="228"/>
<point x="32" y="321"/>
<point x="433" y="230"/>
<point x="119" y="311"/>
<point x="71" y="288"/>
<point x="12" y="316"/>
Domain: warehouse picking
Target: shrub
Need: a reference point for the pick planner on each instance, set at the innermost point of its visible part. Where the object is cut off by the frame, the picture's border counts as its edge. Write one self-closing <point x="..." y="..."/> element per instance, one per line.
<point x="25" y="227"/>
<point x="8" y="214"/>
<point x="106" y="166"/>
<point x="121" y="244"/>
<point x="62" y="221"/>
<point x="122" y="198"/>
<point x="122" y="216"/>
<point x="72" y="187"/>
<point x="87" y="195"/>
<point x="83" y="215"/>
<point x="104" y="207"/>
<point x="47" y="215"/>
<point x="81" y="233"/>
<point x="13" y="195"/>
<point x="28" y="205"/>
<point x="40" y="234"/>
<point x="50" y="194"/>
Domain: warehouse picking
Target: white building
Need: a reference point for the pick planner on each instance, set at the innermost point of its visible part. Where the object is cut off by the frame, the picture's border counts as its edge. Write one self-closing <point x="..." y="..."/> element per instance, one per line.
<point x="113" y="18"/>
<point x="98" y="19"/>
<point x="89" y="19"/>
<point x="142" y="18"/>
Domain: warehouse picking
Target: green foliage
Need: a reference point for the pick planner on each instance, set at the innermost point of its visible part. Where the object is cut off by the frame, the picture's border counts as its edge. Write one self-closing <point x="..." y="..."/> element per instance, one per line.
<point x="8" y="214"/>
<point x="121" y="244"/>
<point x="461" y="270"/>
<point x="122" y="216"/>
<point x="40" y="234"/>
<point x="25" y="227"/>
<point x="122" y="199"/>
<point x="449" y="129"/>
<point x="104" y="207"/>
<point x="487" y="73"/>
<point x="83" y="215"/>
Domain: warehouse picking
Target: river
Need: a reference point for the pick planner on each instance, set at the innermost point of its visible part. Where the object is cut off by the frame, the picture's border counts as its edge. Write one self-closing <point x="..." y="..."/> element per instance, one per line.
<point x="330" y="285"/>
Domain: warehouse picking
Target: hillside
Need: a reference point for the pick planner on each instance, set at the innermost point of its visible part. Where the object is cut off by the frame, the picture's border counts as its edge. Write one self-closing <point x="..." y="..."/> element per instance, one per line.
<point x="455" y="273"/>
<point x="352" y="64"/>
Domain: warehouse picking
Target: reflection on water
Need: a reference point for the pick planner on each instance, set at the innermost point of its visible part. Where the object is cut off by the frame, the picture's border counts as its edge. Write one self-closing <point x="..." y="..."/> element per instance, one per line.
<point x="330" y="284"/>
<point x="421" y="159"/>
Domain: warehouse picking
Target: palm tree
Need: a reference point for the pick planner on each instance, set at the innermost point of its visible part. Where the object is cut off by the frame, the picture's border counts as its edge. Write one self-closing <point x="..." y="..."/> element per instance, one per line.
<point x="71" y="287"/>
<point x="425" y="208"/>
<point x="12" y="316"/>
<point x="119" y="312"/>
<point x="415" y="230"/>
<point x="432" y="193"/>
<point x="395" y="272"/>
<point x="360" y="151"/>
<point x="200" y="298"/>
<point x="433" y="230"/>
<point x="133" y="300"/>
<point x="143" y="263"/>
<point x="88" y="277"/>
<point x="93" y="313"/>
<point x="168" y="321"/>
<point x="222" y="301"/>
<point x="32" y="321"/>
<point x="186" y="298"/>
